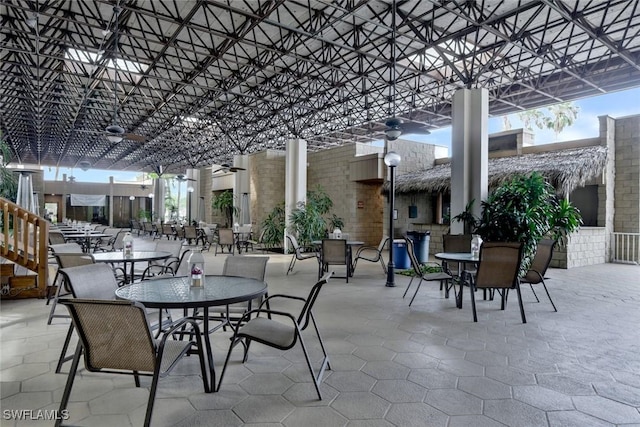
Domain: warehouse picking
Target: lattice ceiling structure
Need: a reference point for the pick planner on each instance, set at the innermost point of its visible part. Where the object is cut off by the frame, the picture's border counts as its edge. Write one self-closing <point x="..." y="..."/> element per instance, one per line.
<point x="201" y="80"/>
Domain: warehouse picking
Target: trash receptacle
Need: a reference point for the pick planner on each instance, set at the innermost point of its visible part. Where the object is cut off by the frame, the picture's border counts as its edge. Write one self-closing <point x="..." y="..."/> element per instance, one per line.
<point x="400" y="255"/>
<point x="420" y="241"/>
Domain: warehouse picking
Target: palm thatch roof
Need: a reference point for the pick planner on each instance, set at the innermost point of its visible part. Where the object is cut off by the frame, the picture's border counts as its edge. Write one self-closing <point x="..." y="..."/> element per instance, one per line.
<point x="564" y="169"/>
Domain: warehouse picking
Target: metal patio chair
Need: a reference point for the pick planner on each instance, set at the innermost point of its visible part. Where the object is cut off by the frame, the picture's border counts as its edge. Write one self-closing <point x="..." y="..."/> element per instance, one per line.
<point x="281" y="334"/>
<point x="539" y="266"/>
<point x="115" y="338"/>
<point x="442" y="277"/>
<point x="300" y="253"/>
<point x="498" y="269"/>
<point x="372" y="254"/>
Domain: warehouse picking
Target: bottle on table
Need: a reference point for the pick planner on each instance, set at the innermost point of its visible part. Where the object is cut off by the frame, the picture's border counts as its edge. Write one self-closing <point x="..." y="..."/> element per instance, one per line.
<point x="127" y="244"/>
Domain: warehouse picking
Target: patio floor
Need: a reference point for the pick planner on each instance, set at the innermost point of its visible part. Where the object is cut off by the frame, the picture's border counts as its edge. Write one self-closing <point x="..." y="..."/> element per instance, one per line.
<point x="428" y="364"/>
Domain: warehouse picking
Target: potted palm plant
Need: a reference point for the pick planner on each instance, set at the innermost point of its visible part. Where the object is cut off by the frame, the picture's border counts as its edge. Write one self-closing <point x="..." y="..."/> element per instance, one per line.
<point x="224" y="202"/>
<point x="525" y="209"/>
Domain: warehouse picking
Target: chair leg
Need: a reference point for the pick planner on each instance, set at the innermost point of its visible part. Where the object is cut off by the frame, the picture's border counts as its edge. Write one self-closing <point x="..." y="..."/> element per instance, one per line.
<point x="384" y="267"/>
<point x="549" y="295"/>
<point x="152" y="396"/>
<point x="473" y="303"/>
<point x="524" y="318"/>
<point x="416" y="292"/>
<point x="534" y="292"/>
<point x="306" y="356"/>
<point x="408" y="286"/>
<point x="63" y="354"/>
<point x="67" y="389"/>
<point x="234" y="341"/>
<point x="291" y="264"/>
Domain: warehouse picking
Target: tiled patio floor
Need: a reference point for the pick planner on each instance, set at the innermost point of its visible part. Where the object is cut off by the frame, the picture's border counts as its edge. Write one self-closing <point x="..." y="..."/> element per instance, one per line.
<point x="425" y="365"/>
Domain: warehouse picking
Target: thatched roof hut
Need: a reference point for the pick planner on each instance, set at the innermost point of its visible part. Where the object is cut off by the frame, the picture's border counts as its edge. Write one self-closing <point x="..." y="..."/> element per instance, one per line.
<point x="564" y="169"/>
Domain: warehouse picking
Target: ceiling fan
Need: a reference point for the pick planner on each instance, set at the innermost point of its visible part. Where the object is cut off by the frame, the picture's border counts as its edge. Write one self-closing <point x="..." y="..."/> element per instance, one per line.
<point x="394" y="125"/>
<point x="225" y="168"/>
<point x="114" y="132"/>
<point x="183" y="178"/>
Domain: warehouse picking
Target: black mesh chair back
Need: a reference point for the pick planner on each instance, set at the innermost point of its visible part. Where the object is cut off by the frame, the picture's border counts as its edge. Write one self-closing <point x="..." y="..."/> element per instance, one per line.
<point x="225" y="239"/>
<point x="334" y="252"/>
<point x="56" y="238"/>
<point x="498" y="269"/>
<point x="115" y="338"/>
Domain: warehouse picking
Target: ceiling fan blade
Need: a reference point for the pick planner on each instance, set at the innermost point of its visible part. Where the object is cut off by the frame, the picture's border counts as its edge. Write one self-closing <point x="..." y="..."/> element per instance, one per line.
<point x="135" y="137"/>
<point x="415" y="128"/>
<point x="236" y="169"/>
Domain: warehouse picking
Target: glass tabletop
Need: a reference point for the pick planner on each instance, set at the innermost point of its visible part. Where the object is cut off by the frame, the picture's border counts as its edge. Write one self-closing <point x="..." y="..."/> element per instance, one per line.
<point x="456" y="256"/>
<point x="118" y="256"/>
<point x="176" y="292"/>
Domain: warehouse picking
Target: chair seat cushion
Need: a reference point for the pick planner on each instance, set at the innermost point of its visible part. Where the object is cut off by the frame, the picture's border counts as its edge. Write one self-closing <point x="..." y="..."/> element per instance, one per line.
<point x="262" y="328"/>
<point x="436" y="276"/>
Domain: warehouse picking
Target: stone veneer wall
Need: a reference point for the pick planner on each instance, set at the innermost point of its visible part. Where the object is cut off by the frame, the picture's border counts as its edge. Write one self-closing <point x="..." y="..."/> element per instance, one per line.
<point x="627" y="175"/>
<point x="267" y="184"/>
<point x="588" y="246"/>
<point x="330" y="170"/>
<point x="415" y="156"/>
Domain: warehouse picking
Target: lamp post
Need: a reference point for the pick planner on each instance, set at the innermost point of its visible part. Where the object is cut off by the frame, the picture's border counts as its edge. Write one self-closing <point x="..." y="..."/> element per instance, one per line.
<point x="190" y="190"/>
<point x="392" y="159"/>
<point x="131" y="199"/>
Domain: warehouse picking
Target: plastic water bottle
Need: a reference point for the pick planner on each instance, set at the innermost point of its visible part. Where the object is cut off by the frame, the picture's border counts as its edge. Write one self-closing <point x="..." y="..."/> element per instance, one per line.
<point x="196" y="268"/>
<point x="127" y="244"/>
<point x="476" y="242"/>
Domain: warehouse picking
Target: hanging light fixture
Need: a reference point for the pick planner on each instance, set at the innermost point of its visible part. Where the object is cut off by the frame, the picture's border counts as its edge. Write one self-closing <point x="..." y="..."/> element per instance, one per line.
<point x="393" y="130"/>
<point x="115" y="132"/>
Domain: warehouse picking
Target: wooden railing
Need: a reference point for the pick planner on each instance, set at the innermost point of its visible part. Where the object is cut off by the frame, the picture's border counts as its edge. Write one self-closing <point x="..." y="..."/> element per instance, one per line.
<point x="24" y="241"/>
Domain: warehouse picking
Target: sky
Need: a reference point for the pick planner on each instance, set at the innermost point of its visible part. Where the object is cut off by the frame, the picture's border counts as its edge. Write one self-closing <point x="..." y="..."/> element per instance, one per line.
<point x="618" y="104"/>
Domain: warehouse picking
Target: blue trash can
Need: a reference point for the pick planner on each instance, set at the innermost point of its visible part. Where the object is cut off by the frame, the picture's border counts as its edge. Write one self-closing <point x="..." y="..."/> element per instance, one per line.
<point x="400" y="255"/>
<point x="420" y="241"/>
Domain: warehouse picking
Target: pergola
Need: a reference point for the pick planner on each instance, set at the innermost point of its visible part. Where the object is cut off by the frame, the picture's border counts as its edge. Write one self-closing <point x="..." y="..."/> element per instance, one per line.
<point x="199" y="81"/>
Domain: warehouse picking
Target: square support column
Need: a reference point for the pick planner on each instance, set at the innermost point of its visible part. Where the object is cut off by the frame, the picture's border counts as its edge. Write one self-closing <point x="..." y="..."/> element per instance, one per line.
<point x="469" y="152"/>
<point x="295" y="177"/>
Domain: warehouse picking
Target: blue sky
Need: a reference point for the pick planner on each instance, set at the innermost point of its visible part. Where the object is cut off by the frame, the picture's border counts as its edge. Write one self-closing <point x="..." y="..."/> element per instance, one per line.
<point x="618" y="104"/>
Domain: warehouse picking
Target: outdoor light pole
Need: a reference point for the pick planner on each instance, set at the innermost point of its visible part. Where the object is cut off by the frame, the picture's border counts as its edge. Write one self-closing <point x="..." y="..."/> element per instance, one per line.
<point x="392" y="159"/>
<point x="190" y="190"/>
<point x="131" y="199"/>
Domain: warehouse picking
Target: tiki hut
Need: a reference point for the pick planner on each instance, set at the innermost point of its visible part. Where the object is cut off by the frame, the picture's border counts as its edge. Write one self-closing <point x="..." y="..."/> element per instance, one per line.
<point x="565" y="169"/>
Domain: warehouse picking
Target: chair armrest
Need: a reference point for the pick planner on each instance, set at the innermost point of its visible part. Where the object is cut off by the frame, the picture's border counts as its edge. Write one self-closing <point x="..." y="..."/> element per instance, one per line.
<point x="247" y="316"/>
<point x="366" y="248"/>
<point x="264" y="301"/>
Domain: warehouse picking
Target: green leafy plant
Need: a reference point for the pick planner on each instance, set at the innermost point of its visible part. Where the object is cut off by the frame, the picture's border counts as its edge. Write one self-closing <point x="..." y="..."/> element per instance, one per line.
<point x="8" y="181"/>
<point x="467" y="218"/>
<point x="336" y="222"/>
<point x="144" y="214"/>
<point x="273" y="227"/>
<point x="307" y="219"/>
<point x="224" y="202"/>
<point x="525" y="209"/>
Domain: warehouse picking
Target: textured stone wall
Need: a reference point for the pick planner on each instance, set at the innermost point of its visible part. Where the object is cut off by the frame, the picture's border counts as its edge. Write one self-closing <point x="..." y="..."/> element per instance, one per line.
<point x="267" y="184"/>
<point x="627" y="175"/>
<point x="588" y="246"/>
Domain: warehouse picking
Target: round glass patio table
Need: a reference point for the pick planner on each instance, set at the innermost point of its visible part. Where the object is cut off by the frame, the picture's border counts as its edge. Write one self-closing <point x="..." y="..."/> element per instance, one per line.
<point x="176" y="292"/>
<point x="460" y="258"/>
<point x="137" y="256"/>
